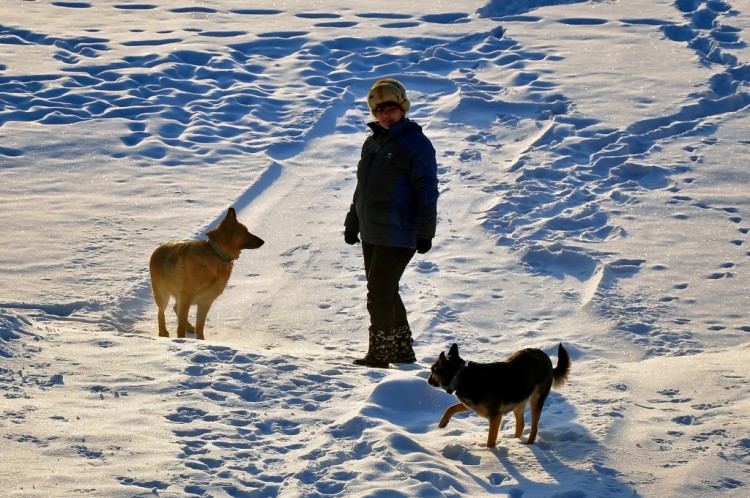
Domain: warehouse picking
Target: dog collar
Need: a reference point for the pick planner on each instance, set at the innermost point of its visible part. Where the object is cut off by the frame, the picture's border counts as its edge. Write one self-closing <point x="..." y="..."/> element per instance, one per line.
<point x="453" y="384"/>
<point x="221" y="253"/>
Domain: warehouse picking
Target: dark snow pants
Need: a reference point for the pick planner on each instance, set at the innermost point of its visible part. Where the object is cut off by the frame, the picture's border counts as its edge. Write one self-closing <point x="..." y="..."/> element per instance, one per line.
<point x="384" y="266"/>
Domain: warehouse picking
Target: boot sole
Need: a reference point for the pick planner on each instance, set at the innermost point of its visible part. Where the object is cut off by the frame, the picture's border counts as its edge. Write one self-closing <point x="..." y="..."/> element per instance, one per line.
<point x="372" y="364"/>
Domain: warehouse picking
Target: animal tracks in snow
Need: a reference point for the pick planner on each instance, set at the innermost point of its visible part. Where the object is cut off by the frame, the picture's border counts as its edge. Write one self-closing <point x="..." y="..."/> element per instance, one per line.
<point x="693" y="431"/>
<point x="204" y="104"/>
<point x="197" y="106"/>
<point x="556" y="180"/>
<point x="552" y="188"/>
<point x="228" y="425"/>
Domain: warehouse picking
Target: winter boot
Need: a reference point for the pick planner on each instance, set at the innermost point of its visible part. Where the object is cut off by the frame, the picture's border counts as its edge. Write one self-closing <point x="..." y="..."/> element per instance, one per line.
<point x="402" y="346"/>
<point x="379" y="350"/>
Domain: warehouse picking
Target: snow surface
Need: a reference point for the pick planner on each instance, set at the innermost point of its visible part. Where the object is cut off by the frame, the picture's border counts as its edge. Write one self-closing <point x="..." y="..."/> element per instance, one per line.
<point x="593" y="173"/>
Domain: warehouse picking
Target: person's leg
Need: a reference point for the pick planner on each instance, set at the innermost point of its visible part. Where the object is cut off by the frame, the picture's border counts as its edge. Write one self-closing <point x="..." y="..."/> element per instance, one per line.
<point x="384" y="267"/>
<point x="378" y="348"/>
<point x="403" y="352"/>
<point x="399" y="312"/>
<point x="384" y="271"/>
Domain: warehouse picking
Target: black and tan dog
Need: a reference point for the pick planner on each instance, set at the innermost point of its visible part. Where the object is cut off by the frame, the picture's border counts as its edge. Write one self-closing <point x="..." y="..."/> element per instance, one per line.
<point x="494" y="389"/>
<point x="197" y="272"/>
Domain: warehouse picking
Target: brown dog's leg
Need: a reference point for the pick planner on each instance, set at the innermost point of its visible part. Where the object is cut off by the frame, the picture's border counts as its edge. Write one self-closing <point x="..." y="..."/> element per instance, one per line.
<point x="162" y="300"/>
<point x="183" y="307"/>
<point x="452" y="410"/>
<point x="518" y="412"/>
<point x="161" y="319"/>
<point x="200" y="319"/>
<point x="189" y="327"/>
<point x="494" y="429"/>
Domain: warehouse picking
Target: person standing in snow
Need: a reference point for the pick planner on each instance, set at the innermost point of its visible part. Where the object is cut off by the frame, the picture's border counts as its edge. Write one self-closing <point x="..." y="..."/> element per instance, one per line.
<point x="394" y="212"/>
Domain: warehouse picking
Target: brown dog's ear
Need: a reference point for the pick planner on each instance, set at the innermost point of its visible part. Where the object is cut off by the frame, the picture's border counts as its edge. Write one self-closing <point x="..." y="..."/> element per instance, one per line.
<point x="454" y="350"/>
<point x="441" y="357"/>
<point x="229" y="218"/>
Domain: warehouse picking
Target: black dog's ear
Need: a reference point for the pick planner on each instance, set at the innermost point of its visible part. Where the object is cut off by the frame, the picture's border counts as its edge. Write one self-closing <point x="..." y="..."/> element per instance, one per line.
<point x="441" y="357"/>
<point x="454" y="350"/>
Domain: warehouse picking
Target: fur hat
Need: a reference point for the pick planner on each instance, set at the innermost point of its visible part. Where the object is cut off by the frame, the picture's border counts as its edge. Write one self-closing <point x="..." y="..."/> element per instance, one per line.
<point x="387" y="90"/>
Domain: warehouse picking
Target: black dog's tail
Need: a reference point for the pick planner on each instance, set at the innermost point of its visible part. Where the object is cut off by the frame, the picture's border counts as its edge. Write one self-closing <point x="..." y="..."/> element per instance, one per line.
<point x="561" y="371"/>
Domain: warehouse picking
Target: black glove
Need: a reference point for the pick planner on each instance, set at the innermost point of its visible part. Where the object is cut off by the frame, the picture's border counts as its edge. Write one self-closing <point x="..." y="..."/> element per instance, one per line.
<point x="424" y="245"/>
<point x="350" y="237"/>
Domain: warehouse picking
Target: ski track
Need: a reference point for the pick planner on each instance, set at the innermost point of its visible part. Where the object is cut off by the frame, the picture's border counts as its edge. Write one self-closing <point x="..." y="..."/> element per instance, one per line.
<point x="195" y="107"/>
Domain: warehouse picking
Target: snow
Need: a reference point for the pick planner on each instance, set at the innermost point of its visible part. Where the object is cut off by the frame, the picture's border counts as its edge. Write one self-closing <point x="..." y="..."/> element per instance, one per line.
<point x="593" y="174"/>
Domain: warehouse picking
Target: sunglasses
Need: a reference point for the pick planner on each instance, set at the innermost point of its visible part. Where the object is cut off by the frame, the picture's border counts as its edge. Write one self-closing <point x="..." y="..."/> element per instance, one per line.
<point x="387" y="109"/>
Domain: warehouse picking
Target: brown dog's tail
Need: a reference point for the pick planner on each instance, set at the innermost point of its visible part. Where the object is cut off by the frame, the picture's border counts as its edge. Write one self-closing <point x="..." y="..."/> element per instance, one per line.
<point x="561" y="371"/>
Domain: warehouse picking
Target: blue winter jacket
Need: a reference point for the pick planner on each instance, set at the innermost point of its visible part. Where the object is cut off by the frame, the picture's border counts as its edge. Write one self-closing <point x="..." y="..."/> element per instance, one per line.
<point x="395" y="201"/>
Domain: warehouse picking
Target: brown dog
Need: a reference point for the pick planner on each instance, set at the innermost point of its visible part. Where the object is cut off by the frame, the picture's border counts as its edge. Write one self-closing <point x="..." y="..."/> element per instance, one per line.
<point x="494" y="389"/>
<point x="197" y="272"/>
